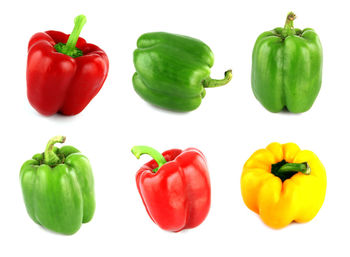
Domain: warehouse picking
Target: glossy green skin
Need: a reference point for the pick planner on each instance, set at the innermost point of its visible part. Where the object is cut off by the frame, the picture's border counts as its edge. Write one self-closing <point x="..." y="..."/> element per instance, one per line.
<point x="287" y="72"/>
<point x="59" y="198"/>
<point x="170" y="69"/>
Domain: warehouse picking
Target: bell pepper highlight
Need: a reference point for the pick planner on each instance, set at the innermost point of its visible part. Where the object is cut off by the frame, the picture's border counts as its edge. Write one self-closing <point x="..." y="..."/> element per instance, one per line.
<point x="58" y="188"/>
<point x="283" y="184"/>
<point x="64" y="72"/>
<point x="174" y="187"/>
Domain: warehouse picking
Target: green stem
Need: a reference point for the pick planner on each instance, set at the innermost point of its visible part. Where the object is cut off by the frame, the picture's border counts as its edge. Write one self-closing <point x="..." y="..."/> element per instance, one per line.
<point x="50" y="158"/>
<point x="70" y="47"/>
<point x="157" y="156"/>
<point x="295" y="167"/>
<point x="288" y="29"/>
<point x="218" y="82"/>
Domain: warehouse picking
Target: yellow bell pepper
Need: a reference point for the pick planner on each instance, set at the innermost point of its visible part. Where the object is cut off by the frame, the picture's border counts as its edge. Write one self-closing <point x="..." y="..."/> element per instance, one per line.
<point x="283" y="184"/>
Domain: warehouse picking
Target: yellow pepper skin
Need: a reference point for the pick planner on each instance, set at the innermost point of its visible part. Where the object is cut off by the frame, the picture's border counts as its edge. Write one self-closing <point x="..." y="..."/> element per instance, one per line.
<point x="298" y="198"/>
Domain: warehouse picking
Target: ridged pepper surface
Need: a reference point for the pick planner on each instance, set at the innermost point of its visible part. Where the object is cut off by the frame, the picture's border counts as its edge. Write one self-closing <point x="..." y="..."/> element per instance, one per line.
<point x="58" y="188"/>
<point x="64" y="72"/>
<point x="174" y="187"/>
<point x="283" y="184"/>
<point x="287" y="68"/>
<point x="173" y="71"/>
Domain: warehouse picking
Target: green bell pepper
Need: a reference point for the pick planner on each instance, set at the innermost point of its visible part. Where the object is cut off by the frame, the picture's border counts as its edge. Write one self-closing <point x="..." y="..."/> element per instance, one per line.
<point x="172" y="71"/>
<point x="58" y="188"/>
<point x="287" y="68"/>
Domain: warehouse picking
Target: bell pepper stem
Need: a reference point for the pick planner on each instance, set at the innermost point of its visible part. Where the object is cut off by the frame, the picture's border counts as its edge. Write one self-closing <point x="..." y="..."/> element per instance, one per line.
<point x="79" y="23"/>
<point x="157" y="156"/>
<point x="295" y="167"/>
<point x="288" y="29"/>
<point x="50" y="158"/>
<point x="218" y="82"/>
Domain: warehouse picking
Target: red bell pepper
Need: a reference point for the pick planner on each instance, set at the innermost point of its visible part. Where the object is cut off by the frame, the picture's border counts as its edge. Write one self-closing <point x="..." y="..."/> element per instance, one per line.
<point x="64" y="72"/>
<point x="174" y="187"/>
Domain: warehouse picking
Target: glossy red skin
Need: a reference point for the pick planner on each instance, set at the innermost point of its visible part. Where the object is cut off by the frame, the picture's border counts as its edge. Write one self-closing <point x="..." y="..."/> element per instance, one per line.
<point x="177" y="196"/>
<point x="59" y="83"/>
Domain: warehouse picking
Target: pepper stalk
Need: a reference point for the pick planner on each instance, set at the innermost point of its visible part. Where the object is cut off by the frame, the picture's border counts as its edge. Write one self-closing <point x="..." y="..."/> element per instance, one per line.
<point x="218" y="82"/>
<point x="70" y="47"/>
<point x="51" y="158"/>
<point x="288" y="29"/>
<point x="287" y="170"/>
<point x="157" y="156"/>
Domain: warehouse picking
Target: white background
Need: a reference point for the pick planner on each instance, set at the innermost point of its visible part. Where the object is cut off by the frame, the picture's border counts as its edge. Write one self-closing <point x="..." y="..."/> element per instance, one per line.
<point x="228" y="127"/>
